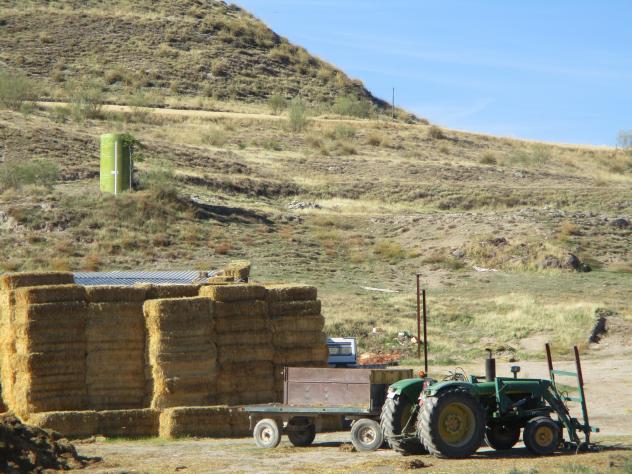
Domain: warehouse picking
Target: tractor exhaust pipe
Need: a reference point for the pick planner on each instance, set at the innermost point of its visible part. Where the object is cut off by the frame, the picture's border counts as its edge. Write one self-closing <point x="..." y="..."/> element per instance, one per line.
<point x="490" y="367"/>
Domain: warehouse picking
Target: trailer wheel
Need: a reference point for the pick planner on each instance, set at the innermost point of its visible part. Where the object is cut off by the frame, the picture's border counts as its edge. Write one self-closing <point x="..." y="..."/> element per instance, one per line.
<point x="541" y="435"/>
<point x="366" y="435"/>
<point x="502" y="437"/>
<point x="398" y="413"/>
<point x="451" y="424"/>
<point x="267" y="434"/>
<point x="301" y="431"/>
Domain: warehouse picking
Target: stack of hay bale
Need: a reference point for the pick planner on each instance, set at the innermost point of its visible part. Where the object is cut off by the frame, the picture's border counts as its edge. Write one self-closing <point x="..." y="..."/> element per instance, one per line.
<point x="213" y="421"/>
<point x="244" y="343"/>
<point x="297" y="326"/>
<point x="115" y="356"/>
<point x="181" y="351"/>
<point x="9" y="282"/>
<point x="50" y="349"/>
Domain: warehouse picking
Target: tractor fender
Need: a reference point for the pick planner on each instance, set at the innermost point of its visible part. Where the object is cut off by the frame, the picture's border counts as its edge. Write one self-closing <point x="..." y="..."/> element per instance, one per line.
<point x="407" y="388"/>
<point x="440" y="387"/>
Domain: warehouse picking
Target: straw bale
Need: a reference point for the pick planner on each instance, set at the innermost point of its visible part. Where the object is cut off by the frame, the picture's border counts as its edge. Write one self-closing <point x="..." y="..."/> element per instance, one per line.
<point x="62" y="314"/>
<point x="49" y="294"/>
<point x="10" y="281"/>
<point x="220" y="279"/>
<point x="245" y="323"/>
<point x="244" y="353"/>
<point x="247" y="369"/>
<point x="295" y="308"/>
<point x="294" y="356"/>
<point x="308" y="323"/>
<point x="298" y="339"/>
<point x="247" y="397"/>
<point x="239" y="422"/>
<point x="154" y="292"/>
<point x="115" y="294"/>
<point x="244" y="338"/>
<point x="239" y="269"/>
<point x="210" y="421"/>
<point x="230" y="384"/>
<point x="71" y="424"/>
<point x="178" y="312"/>
<point x="286" y="292"/>
<point x="129" y="423"/>
<point x="229" y="293"/>
<point x="252" y="308"/>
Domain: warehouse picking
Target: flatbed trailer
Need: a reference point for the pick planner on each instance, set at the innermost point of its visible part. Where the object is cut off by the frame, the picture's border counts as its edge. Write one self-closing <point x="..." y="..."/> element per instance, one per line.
<point x="356" y="395"/>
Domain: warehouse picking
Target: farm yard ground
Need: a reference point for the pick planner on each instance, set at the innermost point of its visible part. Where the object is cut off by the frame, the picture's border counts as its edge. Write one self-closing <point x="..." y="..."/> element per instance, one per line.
<point x="604" y="376"/>
<point x="329" y="454"/>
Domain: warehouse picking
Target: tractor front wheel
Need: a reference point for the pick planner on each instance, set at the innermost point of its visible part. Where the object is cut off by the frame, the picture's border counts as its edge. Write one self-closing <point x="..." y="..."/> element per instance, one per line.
<point x="399" y="424"/>
<point x="541" y="436"/>
<point x="451" y="424"/>
<point x="502" y="437"/>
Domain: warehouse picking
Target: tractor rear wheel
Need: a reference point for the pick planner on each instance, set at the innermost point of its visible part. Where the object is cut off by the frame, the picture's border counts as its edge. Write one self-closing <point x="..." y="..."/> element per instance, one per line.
<point x="541" y="435"/>
<point x="502" y="437"/>
<point x="451" y="424"/>
<point x="399" y="414"/>
<point x="301" y="431"/>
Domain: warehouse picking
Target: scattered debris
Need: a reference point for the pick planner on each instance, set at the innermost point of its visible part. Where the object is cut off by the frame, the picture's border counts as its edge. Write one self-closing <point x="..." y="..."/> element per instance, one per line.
<point x="482" y="269"/>
<point x="303" y="205"/>
<point x="372" y="358"/>
<point x="383" y="290"/>
<point x="25" y="448"/>
<point x="498" y="242"/>
<point x="416" y="464"/>
<point x="458" y="253"/>
<point x="621" y="223"/>
<point x="601" y="325"/>
<point x="346" y="448"/>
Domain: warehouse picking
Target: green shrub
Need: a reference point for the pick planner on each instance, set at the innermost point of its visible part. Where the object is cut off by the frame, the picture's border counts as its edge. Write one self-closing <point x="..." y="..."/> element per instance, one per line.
<point x="216" y="137"/>
<point x="488" y="158"/>
<point x="86" y="100"/>
<point x="389" y="251"/>
<point x="15" y="174"/>
<point x="342" y="131"/>
<point x="297" y="118"/>
<point x="353" y="106"/>
<point x="435" y="133"/>
<point x="277" y="103"/>
<point x="15" y="90"/>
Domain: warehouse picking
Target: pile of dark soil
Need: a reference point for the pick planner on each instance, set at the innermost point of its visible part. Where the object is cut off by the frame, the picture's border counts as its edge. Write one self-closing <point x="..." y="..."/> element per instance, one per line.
<point x="25" y="448"/>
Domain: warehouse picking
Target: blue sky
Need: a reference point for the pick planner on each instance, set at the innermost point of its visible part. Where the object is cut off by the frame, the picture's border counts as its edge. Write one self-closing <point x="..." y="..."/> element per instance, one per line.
<point x="556" y="70"/>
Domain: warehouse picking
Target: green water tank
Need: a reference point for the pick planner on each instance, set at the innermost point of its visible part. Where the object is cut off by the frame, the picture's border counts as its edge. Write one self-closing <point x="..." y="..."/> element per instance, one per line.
<point x="116" y="163"/>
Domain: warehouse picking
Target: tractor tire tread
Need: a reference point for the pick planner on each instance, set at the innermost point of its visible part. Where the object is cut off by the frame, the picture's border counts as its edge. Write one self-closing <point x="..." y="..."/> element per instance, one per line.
<point x="391" y="412"/>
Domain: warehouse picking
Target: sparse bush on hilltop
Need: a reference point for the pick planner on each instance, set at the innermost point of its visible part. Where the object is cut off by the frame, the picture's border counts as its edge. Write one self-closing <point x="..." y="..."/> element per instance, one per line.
<point x="435" y="133"/>
<point x="15" y="90"/>
<point x="15" y="174"/>
<point x="353" y="106"/>
<point x="624" y="139"/>
<point x="86" y="100"/>
<point x="297" y="117"/>
<point x="277" y="103"/>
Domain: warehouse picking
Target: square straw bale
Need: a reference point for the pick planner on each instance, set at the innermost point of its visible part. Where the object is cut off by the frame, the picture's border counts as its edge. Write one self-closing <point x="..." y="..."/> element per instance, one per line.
<point x="129" y="423"/>
<point x="115" y="294"/>
<point x="295" y="308"/>
<point x="10" y="281"/>
<point x="211" y="421"/>
<point x="238" y="292"/>
<point x="289" y="292"/>
<point x="49" y="294"/>
<point x="71" y="424"/>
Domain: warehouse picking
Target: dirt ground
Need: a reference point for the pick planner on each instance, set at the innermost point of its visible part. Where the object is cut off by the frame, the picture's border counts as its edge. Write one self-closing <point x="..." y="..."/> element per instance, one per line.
<point x="604" y="376"/>
<point x="329" y="454"/>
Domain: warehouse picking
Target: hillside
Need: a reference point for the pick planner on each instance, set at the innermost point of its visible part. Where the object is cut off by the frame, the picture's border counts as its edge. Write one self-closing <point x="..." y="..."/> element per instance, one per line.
<point x="341" y="201"/>
<point x="164" y="49"/>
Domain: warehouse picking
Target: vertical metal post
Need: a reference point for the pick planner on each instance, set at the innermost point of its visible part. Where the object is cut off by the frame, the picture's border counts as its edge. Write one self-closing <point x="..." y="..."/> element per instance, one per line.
<point x="115" y="172"/>
<point x="393" y="105"/>
<point x="580" y="379"/>
<point x="418" y="321"/>
<point x="425" y="333"/>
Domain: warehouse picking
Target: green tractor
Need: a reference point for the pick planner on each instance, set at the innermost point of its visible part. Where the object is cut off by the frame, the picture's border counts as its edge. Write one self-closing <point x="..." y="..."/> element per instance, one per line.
<point x="453" y="417"/>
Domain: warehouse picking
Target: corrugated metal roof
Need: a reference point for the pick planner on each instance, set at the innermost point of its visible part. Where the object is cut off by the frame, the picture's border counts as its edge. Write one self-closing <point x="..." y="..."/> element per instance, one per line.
<point x="132" y="277"/>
